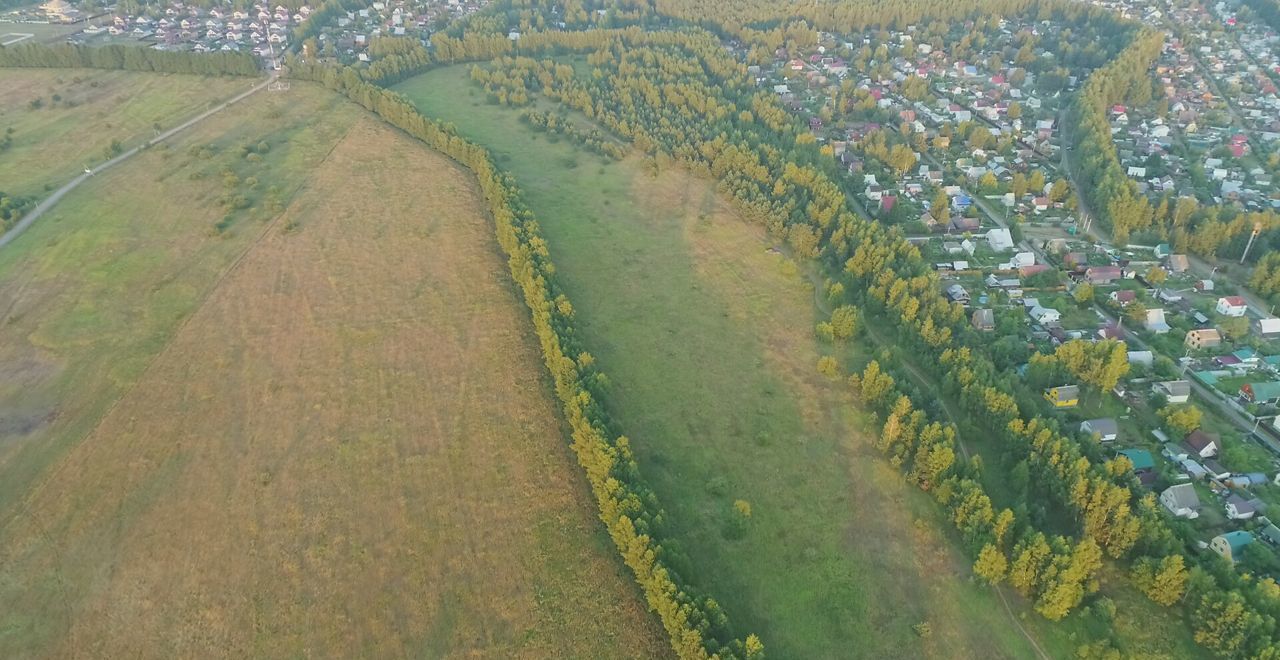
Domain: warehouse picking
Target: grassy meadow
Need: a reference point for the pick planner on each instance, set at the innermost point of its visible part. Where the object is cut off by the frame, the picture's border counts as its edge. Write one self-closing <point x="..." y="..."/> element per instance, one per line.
<point x="313" y="426"/>
<point x="64" y="120"/>
<point x="707" y="337"/>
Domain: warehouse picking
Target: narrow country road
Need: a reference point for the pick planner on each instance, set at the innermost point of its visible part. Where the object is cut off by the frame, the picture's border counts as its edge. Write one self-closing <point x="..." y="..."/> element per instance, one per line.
<point x="30" y="218"/>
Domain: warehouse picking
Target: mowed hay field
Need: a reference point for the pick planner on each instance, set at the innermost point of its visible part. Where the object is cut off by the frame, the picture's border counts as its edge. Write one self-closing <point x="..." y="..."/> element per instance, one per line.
<point x="346" y="450"/>
<point x="57" y="140"/>
<point x="707" y="337"/>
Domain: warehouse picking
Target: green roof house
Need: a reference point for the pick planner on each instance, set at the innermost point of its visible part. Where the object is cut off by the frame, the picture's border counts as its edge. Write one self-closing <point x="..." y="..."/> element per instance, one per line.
<point x="1261" y="392"/>
<point x="1231" y="544"/>
<point x="1271" y="533"/>
<point x="1141" y="459"/>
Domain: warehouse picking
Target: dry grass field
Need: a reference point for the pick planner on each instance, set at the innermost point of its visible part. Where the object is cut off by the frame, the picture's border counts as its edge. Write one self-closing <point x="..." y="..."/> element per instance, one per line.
<point x="63" y="120"/>
<point x="347" y="449"/>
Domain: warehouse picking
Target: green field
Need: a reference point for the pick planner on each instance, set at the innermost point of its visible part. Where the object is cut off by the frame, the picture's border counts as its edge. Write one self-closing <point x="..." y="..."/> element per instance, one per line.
<point x="64" y="120"/>
<point x="707" y="338"/>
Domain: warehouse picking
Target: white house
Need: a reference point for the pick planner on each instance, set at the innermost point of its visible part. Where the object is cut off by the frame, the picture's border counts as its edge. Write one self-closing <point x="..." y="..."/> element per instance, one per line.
<point x="1145" y="358"/>
<point x="999" y="240"/>
<point x="1181" y="500"/>
<point x="1174" y="391"/>
<point x="1239" y="508"/>
<point x="1104" y="429"/>
<point x="1044" y="315"/>
<point x="1268" y="327"/>
<point x="1155" y="321"/>
<point x="1232" y="306"/>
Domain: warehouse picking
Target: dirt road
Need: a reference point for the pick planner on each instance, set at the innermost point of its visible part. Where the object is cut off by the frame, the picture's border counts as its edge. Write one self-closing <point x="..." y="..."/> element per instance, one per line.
<point x="40" y="209"/>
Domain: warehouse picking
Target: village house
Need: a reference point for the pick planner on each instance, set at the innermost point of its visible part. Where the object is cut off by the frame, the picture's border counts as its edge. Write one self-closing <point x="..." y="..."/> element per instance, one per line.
<point x="1063" y="396"/>
<point x="1045" y="315"/>
<point x="1230" y="545"/>
<point x="1201" y="444"/>
<point x="1174" y="391"/>
<point x="1239" y="508"/>
<point x="1104" y="429"/>
<point x="1202" y="338"/>
<point x="1103" y="274"/>
<point x="1232" y="306"/>
<point x="984" y="320"/>
<point x="1123" y="297"/>
<point x="999" y="239"/>
<point x="1182" y="501"/>
<point x="1266" y="392"/>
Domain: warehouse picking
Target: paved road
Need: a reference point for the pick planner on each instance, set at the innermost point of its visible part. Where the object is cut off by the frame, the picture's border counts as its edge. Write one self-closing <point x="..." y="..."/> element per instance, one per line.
<point x="40" y="209"/>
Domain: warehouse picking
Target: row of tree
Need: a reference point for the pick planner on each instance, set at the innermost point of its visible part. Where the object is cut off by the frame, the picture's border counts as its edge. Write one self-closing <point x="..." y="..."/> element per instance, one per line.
<point x="1054" y="572"/>
<point x="593" y="140"/>
<point x="127" y="58"/>
<point x="696" y="624"/>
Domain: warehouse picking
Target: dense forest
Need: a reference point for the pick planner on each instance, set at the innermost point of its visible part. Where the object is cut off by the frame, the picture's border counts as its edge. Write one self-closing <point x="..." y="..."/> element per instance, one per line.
<point x="1267" y="10"/>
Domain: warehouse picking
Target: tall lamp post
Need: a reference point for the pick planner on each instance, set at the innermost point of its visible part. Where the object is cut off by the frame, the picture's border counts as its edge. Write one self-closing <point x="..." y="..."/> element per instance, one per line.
<point x="1257" y="227"/>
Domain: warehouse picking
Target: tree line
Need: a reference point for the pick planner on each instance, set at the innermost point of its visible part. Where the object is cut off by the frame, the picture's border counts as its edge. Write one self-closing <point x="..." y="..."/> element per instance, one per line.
<point x="695" y="623"/>
<point x="1053" y="571"/>
<point x="127" y="58"/>
<point x="558" y="125"/>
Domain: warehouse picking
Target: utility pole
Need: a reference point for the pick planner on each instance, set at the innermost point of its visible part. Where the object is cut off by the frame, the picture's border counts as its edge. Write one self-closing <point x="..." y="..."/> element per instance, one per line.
<point x="1257" y="227"/>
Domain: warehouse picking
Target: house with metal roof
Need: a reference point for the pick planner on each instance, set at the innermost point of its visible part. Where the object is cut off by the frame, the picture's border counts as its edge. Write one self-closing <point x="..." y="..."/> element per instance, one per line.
<point x="1269" y="532"/>
<point x="1215" y="470"/>
<point x="1174" y="391"/>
